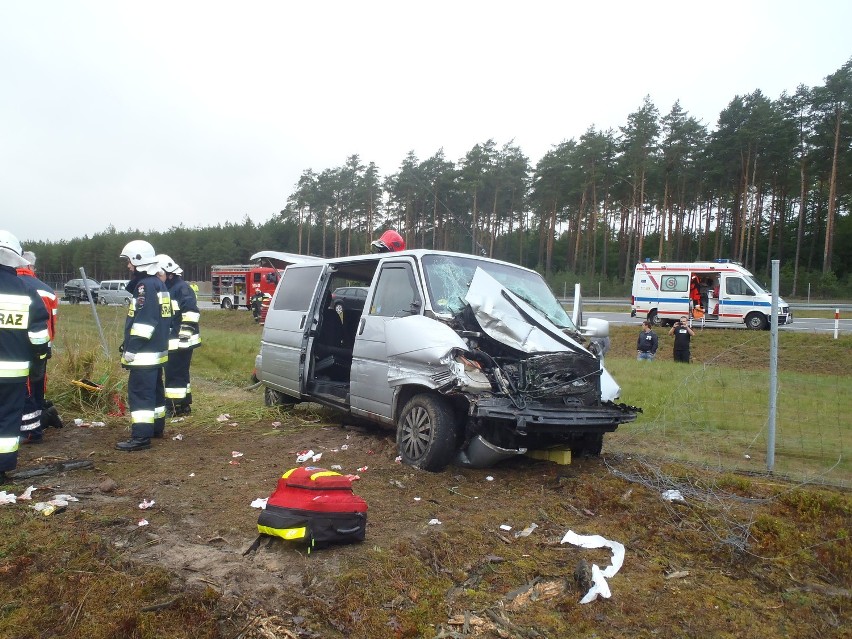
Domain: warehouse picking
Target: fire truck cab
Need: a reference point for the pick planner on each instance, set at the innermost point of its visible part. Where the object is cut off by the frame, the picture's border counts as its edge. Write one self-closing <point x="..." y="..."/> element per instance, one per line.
<point x="234" y="284"/>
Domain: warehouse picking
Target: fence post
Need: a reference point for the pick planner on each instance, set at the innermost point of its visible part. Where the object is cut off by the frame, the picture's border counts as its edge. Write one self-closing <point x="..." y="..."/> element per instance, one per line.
<point x="773" y="370"/>
<point x="94" y="311"/>
<point x="836" y="322"/>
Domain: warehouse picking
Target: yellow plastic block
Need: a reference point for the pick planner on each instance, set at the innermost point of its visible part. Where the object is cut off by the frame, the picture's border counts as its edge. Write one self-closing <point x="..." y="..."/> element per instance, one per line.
<point x="561" y="456"/>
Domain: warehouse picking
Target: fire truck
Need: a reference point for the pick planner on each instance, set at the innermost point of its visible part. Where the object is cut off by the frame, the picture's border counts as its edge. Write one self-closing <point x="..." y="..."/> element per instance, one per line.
<point x="234" y="284"/>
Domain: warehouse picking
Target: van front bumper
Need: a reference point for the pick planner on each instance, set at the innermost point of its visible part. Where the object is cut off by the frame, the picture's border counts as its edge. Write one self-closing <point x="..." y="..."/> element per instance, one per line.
<point x="536" y="417"/>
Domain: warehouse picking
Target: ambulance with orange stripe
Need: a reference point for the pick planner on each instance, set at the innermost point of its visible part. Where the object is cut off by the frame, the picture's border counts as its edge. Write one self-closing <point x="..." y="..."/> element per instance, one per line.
<point x="729" y="293"/>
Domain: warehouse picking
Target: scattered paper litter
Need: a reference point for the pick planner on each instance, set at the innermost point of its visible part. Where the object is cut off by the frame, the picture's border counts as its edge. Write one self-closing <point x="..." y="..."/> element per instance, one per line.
<point x="223" y="417"/>
<point x="276" y="424"/>
<point x="304" y="456"/>
<point x="434" y="522"/>
<point x="362" y="469"/>
<point x="27" y="494"/>
<point x="176" y="420"/>
<point x="417" y="498"/>
<point x="236" y="453"/>
<point x="673" y="495"/>
<point x="336" y="467"/>
<point x="234" y="424"/>
<point x="98" y="424"/>
<point x="146" y="504"/>
<point x="192" y="474"/>
<point x="78" y="422"/>
<point x="177" y="437"/>
<point x="344" y="447"/>
<point x="747" y="456"/>
<point x="64" y="498"/>
<point x="260" y="502"/>
<point x="316" y="457"/>
<point x="142" y="522"/>
<point x="599" y="577"/>
<point x="489" y="478"/>
<point x="505" y="527"/>
<point x="7" y="498"/>
<point x="398" y="459"/>
<point x="526" y="532"/>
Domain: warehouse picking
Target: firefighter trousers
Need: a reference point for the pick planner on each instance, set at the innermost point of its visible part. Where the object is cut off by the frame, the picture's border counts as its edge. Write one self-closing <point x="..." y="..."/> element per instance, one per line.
<point x="31" y="427"/>
<point x="147" y="399"/>
<point x="178" y="390"/>
<point x="12" y="396"/>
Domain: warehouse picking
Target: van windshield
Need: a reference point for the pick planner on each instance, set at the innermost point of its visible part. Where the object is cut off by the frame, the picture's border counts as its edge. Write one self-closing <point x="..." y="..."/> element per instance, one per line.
<point x="448" y="279"/>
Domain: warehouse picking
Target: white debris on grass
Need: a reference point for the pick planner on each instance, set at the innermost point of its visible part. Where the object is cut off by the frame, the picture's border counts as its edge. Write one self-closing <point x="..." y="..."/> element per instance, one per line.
<point x="526" y="532"/>
<point x="223" y="417"/>
<point x="260" y="502"/>
<point x="177" y="438"/>
<point x="304" y="456"/>
<point x="236" y="453"/>
<point x="142" y="522"/>
<point x="506" y="527"/>
<point x="599" y="585"/>
<point x="434" y="522"/>
<point x="672" y="495"/>
<point x="146" y="504"/>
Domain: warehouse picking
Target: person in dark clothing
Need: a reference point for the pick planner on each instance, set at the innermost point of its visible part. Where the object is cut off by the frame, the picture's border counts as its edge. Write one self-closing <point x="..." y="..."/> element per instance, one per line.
<point x="145" y="349"/>
<point x="646" y="345"/>
<point x="24" y="342"/>
<point x="682" y="334"/>
<point x="183" y="339"/>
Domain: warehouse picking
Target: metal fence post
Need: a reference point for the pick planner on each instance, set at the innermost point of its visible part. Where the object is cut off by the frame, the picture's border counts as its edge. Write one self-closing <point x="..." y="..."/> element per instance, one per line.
<point x="94" y="311"/>
<point x="773" y="370"/>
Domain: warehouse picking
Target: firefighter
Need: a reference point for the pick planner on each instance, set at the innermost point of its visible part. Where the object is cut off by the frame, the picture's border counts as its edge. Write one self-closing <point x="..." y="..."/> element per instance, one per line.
<point x="145" y="349"/>
<point x="38" y="413"/>
<point x="184" y="337"/>
<point x="23" y="347"/>
<point x="257" y="303"/>
<point x="389" y="242"/>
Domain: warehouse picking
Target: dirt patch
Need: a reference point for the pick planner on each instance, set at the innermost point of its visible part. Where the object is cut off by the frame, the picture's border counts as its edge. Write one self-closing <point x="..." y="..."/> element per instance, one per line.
<point x="719" y="563"/>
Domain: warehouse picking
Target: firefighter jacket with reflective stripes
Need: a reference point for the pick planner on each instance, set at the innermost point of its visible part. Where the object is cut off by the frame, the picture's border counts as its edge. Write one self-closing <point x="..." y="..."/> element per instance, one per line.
<point x="47" y="295"/>
<point x="23" y="327"/>
<point x="146" y="330"/>
<point x="185" y="316"/>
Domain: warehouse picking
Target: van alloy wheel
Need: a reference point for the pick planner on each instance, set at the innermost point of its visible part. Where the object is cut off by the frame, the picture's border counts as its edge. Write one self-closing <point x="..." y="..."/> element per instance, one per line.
<point x="426" y="433"/>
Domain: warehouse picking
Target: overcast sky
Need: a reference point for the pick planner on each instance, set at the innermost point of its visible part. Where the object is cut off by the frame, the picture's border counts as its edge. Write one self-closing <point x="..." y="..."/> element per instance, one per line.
<point x="151" y="114"/>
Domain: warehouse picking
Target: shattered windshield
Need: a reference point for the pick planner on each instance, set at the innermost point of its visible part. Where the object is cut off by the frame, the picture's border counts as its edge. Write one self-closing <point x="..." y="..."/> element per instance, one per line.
<point x="448" y="280"/>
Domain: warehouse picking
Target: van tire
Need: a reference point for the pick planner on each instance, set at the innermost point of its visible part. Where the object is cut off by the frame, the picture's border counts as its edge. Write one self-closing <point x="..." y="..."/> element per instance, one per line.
<point x="272" y="397"/>
<point x="654" y="319"/>
<point x="756" y="321"/>
<point x="102" y="301"/>
<point x="426" y="433"/>
<point x="590" y="445"/>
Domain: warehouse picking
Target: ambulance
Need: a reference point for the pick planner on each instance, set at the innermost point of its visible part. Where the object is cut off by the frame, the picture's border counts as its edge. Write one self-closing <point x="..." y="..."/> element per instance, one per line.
<point x="729" y="294"/>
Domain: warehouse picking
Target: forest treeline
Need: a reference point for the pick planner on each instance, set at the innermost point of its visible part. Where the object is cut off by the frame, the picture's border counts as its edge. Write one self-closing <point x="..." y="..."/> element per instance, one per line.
<point x="771" y="180"/>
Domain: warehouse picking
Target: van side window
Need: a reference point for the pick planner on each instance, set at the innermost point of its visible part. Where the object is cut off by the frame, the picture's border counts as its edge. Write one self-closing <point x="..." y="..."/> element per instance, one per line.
<point x="737" y="286"/>
<point x="675" y="283"/>
<point x="396" y="292"/>
<point x="297" y="289"/>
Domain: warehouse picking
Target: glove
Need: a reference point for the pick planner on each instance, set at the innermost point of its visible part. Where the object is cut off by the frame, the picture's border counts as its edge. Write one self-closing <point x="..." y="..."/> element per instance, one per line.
<point x="128" y="357"/>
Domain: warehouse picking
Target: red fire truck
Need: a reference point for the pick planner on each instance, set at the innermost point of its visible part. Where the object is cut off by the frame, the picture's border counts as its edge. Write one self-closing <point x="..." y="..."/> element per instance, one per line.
<point x="233" y="284"/>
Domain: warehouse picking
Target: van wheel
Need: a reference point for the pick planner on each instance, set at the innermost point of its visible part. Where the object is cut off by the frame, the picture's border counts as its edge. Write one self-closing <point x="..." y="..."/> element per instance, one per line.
<point x="590" y="444"/>
<point x="654" y="319"/>
<point x="226" y="303"/>
<point x="102" y="301"/>
<point x="272" y="397"/>
<point x="426" y="433"/>
<point x="756" y="321"/>
<point x="338" y="308"/>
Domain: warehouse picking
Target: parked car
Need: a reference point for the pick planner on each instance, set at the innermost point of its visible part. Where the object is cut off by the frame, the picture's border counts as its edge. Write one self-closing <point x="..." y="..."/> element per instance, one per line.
<point x="75" y="291"/>
<point x="114" y="292"/>
<point x="471" y="360"/>
<point x="349" y="298"/>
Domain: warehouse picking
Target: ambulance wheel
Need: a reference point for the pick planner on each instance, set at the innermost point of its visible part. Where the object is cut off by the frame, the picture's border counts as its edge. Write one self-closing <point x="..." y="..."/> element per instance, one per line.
<point x="756" y="321"/>
<point x="426" y="433"/>
<point x="226" y="303"/>
<point x="654" y="319"/>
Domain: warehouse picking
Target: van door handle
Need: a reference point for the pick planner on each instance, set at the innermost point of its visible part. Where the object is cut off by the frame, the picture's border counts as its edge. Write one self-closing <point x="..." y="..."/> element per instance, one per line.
<point x="302" y="323"/>
<point x="361" y="324"/>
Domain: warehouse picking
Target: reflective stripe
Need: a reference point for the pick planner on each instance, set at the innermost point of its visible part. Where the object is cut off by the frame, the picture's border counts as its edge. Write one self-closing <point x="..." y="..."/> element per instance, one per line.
<point x="8" y="445"/>
<point x="142" y="416"/>
<point x="176" y="393"/>
<point x="324" y="473"/>
<point x="159" y="412"/>
<point x="174" y="343"/>
<point x="195" y="340"/>
<point x="147" y="359"/>
<point x="30" y="416"/>
<point x="191" y="316"/>
<point x="175" y="306"/>
<point x="39" y="337"/>
<point x="142" y="330"/>
<point x="14" y="369"/>
<point x="284" y="533"/>
<point x="14" y="302"/>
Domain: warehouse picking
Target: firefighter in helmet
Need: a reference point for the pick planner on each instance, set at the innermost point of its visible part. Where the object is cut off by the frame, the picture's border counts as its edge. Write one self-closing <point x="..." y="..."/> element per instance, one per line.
<point x="183" y="338"/>
<point x="24" y="342"/>
<point x="389" y="242"/>
<point x="257" y="303"/>
<point x="145" y="349"/>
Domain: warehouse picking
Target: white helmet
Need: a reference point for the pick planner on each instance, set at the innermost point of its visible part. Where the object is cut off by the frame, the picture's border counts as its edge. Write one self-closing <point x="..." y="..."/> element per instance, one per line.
<point x="168" y="265"/>
<point x="10" y="251"/>
<point x="141" y="254"/>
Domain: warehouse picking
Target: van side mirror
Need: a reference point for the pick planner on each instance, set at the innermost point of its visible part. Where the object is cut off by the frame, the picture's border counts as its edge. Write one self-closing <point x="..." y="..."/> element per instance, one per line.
<point x="595" y="327"/>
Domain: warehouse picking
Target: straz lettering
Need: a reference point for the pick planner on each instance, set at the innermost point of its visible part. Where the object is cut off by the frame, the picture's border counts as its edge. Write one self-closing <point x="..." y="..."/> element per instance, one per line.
<point x="14" y="320"/>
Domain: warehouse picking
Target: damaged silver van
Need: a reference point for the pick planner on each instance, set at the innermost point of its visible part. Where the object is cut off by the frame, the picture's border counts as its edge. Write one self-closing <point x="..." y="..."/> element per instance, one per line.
<point x="471" y="360"/>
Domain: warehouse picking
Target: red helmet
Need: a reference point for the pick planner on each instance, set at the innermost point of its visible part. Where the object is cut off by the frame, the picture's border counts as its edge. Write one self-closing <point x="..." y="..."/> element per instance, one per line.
<point x="389" y="242"/>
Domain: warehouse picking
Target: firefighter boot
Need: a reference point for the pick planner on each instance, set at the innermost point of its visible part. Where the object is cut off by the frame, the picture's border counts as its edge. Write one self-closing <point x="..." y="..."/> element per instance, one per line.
<point x="134" y="443"/>
<point x="50" y="416"/>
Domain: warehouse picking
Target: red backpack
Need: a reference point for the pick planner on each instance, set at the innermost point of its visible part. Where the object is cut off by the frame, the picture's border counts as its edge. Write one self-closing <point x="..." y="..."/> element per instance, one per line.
<point x="313" y="505"/>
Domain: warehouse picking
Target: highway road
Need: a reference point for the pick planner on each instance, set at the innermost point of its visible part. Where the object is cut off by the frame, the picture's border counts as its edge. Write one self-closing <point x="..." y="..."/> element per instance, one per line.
<point x="800" y="323"/>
